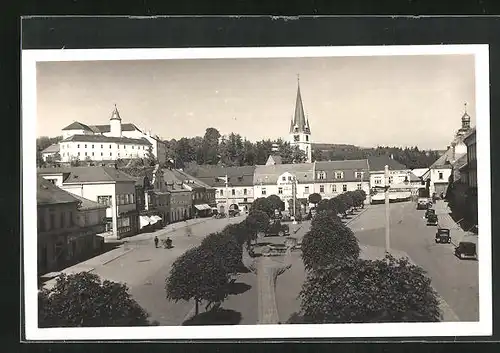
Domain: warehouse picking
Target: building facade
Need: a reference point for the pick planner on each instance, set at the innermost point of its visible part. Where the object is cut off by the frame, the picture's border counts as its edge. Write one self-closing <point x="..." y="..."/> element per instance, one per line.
<point x="69" y="227"/>
<point x="300" y="130"/>
<point x="109" y="142"/>
<point x="239" y="191"/>
<point x="471" y="172"/>
<point x="104" y="185"/>
<point x="333" y="178"/>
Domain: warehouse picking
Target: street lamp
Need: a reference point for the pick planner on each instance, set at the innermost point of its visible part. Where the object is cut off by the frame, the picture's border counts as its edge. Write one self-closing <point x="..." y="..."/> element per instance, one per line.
<point x="294" y="198"/>
<point x="387" y="211"/>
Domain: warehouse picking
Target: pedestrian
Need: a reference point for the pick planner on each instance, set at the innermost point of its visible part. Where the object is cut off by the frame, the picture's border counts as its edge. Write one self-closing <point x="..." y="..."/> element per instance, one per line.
<point x="156" y="241"/>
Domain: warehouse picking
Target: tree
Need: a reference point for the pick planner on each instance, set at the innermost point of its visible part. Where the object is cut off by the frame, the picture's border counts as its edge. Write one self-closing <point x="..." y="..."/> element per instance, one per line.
<point x="83" y="300"/>
<point x="298" y="155"/>
<point x="151" y="160"/>
<point x="323" y="205"/>
<point x="256" y="221"/>
<point x="333" y="206"/>
<point x="210" y="146"/>
<point x="263" y="204"/>
<point x="341" y="203"/>
<point x="198" y="275"/>
<point x="361" y="197"/>
<point x="226" y="250"/>
<point x="386" y="290"/>
<point x="238" y="231"/>
<point x="348" y="199"/>
<point x="276" y="203"/>
<point x="328" y="241"/>
<point x="315" y="198"/>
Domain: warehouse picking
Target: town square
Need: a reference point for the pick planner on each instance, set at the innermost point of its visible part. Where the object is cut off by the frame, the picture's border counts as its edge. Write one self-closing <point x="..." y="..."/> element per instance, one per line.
<point x="241" y="202"/>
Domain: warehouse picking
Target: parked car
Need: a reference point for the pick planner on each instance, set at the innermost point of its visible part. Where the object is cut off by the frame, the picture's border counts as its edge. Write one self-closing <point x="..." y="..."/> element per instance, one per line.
<point x="443" y="235"/>
<point x="466" y="250"/>
<point x="277" y="229"/>
<point x="432" y="220"/>
<point x="234" y="213"/>
<point x="429" y="212"/>
<point x="422" y="203"/>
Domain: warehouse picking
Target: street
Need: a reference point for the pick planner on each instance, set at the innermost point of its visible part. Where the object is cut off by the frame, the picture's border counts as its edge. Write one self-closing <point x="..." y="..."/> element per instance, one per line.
<point x="455" y="280"/>
<point x="145" y="268"/>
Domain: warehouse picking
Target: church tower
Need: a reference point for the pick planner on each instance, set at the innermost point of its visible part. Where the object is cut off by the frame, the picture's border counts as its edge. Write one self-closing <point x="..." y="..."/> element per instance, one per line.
<point x="300" y="131"/>
<point x="465" y="127"/>
<point x="115" y="123"/>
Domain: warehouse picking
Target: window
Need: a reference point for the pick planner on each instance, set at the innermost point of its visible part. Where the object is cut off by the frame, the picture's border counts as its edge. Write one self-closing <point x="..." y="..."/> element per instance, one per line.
<point x="132" y="147"/>
<point x="283" y="178"/>
<point x="53" y="181"/>
<point x="132" y="198"/>
<point x="92" y="146"/>
<point x="334" y="188"/>
<point x="440" y="175"/>
<point x="321" y="175"/>
<point x="280" y="191"/>
<point x="307" y="137"/>
<point x="92" y="153"/>
<point x="104" y="200"/>
<point x="85" y="145"/>
<point x="263" y="191"/>
<point x="245" y="199"/>
<point x="78" y="146"/>
<point x="344" y="187"/>
<point x="102" y="154"/>
<point x="296" y="138"/>
<point x="390" y="180"/>
<point x="63" y="220"/>
<point x="233" y="192"/>
<point x="221" y="192"/>
<point x="85" y="153"/>
<point x="118" y="146"/>
<point x="339" y="175"/>
<point x="358" y="175"/>
<point x="109" y="146"/>
<point x="378" y="181"/>
<point x="110" y="154"/>
<point x="78" y="153"/>
<point x="71" y="223"/>
<point x="289" y="178"/>
<point x="102" y="146"/>
<point x="52" y="221"/>
<point x="124" y="147"/>
<point x="127" y="199"/>
<point x="306" y="190"/>
<point x="244" y="191"/>
<point x="321" y="189"/>
<point x="360" y="187"/>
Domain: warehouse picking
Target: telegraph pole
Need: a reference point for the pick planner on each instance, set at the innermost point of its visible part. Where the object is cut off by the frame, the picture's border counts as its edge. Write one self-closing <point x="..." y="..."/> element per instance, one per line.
<point x="294" y="198"/>
<point x="387" y="212"/>
<point x="227" y="195"/>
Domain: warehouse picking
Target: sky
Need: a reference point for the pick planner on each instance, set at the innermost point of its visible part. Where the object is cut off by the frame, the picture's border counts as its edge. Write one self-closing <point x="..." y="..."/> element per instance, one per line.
<point x="364" y="101"/>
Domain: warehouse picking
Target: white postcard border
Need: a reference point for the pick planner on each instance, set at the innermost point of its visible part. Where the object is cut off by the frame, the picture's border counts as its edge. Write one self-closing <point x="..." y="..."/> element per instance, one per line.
<point x="29" y="96"/>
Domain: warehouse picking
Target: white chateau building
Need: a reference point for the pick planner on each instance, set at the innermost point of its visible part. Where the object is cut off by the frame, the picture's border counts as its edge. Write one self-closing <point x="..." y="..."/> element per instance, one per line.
<point x="300" y="131"/>
<point x="109" y="142"/>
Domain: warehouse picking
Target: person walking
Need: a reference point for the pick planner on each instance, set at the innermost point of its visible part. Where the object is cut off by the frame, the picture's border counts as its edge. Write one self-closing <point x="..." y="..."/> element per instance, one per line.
<point x="156" y="241"/>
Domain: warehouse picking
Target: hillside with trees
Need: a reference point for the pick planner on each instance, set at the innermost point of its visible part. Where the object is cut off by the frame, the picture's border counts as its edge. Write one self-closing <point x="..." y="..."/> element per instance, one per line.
<point x="235" y="150"/>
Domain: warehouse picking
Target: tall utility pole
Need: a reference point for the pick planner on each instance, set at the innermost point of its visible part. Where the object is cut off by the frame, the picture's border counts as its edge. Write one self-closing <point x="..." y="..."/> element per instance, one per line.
<point x="387" y="212"/>
<point x="294" y="198"/>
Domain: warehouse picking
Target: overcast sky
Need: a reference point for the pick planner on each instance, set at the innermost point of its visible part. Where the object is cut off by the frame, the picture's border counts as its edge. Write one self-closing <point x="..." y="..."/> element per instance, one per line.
<point x="365" y="101"/>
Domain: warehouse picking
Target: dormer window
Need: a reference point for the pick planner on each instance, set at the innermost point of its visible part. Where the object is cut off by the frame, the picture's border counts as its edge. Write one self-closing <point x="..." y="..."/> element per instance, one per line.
<point x="339" y="175"/>
<point x="321" y="175"/>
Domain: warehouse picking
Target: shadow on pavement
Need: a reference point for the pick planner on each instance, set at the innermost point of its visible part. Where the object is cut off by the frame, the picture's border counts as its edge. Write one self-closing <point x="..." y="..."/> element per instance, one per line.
<point x="237" y="288"/>
<point x="215" y="317"/>
<point x="295" y="318"/>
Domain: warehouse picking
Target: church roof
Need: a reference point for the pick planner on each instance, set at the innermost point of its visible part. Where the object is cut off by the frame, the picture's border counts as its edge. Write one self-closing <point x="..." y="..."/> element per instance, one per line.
<point x="115" y="115"/>
<point x="299" y="121"/>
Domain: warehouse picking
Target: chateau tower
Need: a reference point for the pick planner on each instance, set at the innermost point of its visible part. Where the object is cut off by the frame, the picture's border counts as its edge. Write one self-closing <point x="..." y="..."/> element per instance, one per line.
<point x="115" y="123"/>
<point x="300" y="131"/>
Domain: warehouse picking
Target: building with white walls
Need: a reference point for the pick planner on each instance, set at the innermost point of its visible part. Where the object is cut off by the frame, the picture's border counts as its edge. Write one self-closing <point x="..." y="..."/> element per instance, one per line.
<point x="109" y="142"/>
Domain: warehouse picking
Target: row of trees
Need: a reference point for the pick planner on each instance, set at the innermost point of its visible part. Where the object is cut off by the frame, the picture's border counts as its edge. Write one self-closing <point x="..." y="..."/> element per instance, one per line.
<point x="343" y="288"/>
<point x="204" y="273"/>
<point x="341" y="203"/>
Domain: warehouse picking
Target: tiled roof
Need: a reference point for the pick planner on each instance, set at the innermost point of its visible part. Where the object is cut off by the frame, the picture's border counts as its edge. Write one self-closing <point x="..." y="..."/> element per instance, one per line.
<point x="238" y="176"/>
<point x="52" y="149"/>
<point x="77" y="126"/>
<point x="186" y="176"/>
<point x="106" y="139"/>
<point x="49" y="194"/>
<point x="88" y="174"/>
<point x="87" y="204"/>
<point x="378" y="163"/>
<point x="348" y="167"/>
<point x="413" y="177"/>
<point x="419" y="172"/>
<point x="269" y="174"/>
<point x="470" y="136"/>
<point x="106" y="128"/>
<point x="274" y="158"/>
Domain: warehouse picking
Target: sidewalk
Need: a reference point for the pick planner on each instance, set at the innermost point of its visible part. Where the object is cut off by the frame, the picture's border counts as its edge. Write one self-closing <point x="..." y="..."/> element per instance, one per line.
<point x="445" y="221"/>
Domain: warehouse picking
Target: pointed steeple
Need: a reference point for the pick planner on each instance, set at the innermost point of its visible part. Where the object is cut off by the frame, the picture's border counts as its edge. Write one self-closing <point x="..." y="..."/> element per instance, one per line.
<point x="115" y="115"/>
<point x="299" y="120"/>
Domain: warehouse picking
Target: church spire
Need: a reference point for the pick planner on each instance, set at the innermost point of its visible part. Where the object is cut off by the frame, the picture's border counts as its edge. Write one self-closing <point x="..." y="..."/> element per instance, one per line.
<point x="115" y="115"/>
<point x="299" y="123"/>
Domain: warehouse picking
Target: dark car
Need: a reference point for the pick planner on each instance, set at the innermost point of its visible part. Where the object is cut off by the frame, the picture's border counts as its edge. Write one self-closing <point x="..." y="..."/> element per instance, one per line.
<point x="277" y="229"/>
<point x="432" y="220"/>
<point x="429" y="211"/>
<point x="466" y="250"/>
<point x="443" y="235"/>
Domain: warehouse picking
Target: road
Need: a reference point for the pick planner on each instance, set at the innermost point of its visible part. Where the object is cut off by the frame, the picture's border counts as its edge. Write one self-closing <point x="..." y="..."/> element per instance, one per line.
<point x="455" y="280"/>
<point x="145" y="268"/>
